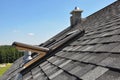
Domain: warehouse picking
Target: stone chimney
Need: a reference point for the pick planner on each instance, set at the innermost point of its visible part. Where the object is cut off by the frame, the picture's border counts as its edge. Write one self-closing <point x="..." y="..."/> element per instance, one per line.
<point x="76" y="16"/>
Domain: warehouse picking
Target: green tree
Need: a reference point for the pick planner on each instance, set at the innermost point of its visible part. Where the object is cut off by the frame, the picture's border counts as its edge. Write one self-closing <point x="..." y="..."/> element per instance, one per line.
<point x="8" y="54"/>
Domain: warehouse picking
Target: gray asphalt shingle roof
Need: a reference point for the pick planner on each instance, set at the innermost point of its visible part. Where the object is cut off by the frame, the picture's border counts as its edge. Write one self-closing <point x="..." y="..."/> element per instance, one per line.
<point x="93" y="56"/>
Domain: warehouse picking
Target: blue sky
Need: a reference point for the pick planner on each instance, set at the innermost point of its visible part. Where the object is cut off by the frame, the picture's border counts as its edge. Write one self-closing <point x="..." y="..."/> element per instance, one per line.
<point x="35" y="21"/>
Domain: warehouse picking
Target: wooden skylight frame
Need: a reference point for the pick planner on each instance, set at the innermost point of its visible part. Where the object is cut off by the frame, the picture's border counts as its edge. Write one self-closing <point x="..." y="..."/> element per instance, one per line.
<point x="42" y="51"/>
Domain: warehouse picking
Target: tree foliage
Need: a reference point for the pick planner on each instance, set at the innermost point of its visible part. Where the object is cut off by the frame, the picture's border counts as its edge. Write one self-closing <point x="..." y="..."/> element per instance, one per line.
<point x="8" y="54"/>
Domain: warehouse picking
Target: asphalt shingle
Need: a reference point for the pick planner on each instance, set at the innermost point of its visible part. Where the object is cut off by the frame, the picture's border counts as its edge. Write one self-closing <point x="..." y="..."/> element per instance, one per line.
<point x="94" y="55"/>
<point x="94" y="74"/>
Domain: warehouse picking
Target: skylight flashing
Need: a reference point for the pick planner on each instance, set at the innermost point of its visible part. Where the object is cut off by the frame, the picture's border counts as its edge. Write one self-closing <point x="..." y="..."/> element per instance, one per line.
<point x="65" y="39"/>
<point x="72" y="32"/>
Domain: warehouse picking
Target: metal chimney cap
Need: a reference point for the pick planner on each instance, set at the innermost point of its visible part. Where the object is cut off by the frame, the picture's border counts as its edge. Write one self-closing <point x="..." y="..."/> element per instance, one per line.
<point x="77" y="8"/>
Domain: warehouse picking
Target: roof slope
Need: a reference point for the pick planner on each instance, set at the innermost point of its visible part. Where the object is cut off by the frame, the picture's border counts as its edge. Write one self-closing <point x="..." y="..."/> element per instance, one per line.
<point x="93" y="56"/>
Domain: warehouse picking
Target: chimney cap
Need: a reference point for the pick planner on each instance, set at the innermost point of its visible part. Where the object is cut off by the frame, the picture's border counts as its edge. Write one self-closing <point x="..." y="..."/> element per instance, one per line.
<point x="77" y="9"/>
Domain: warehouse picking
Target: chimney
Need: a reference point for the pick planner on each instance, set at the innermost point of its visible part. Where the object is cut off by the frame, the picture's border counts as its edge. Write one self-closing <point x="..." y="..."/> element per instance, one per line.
<point x="76" y="16"/>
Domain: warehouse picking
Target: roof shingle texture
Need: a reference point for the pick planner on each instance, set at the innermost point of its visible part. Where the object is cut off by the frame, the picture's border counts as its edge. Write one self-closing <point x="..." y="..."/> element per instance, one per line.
<point x="94" y="56"/>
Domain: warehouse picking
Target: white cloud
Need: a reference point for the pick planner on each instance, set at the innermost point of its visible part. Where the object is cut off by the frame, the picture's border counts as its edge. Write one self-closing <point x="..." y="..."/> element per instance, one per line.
<point x="31" y="34"/>
<point x="16" y="31"/>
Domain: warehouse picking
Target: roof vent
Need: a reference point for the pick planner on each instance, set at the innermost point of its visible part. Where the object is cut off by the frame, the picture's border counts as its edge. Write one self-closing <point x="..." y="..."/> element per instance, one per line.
<point x="76" y="16"/>
<point x="27" y="56"/>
